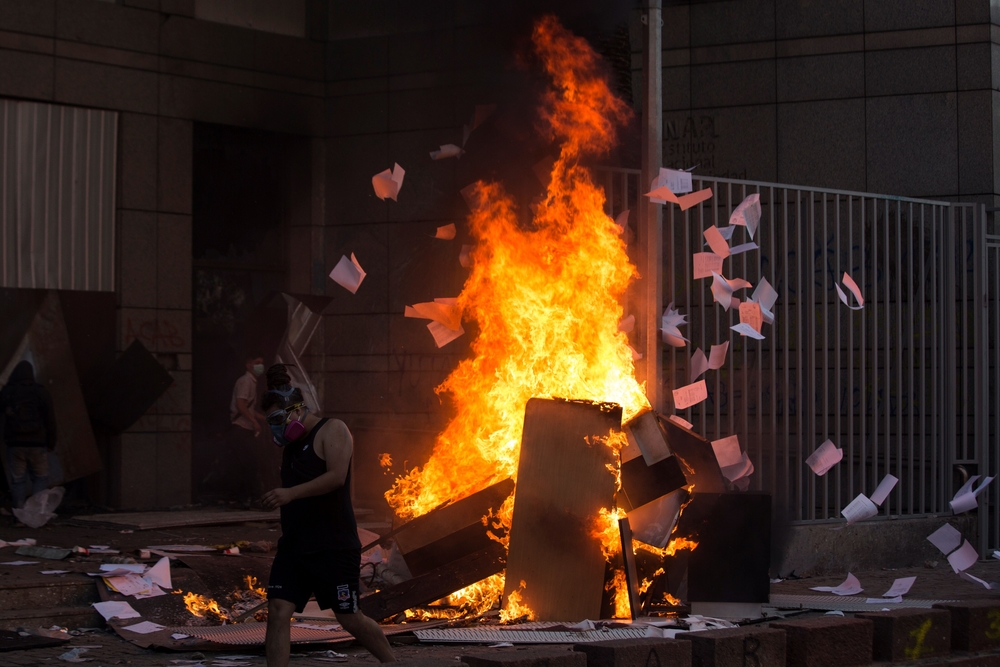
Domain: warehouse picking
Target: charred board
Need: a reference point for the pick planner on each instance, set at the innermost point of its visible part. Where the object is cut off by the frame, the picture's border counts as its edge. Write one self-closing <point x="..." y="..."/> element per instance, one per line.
<point x="702" y="467"/>
<point x="452" y="532"/>
<point x="563" y="482"/>
<point x="435" y="584"/>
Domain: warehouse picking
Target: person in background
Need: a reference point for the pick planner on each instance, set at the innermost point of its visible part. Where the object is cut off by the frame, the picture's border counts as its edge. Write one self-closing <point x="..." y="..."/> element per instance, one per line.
<point x="319" y="550"/>
<point x="246" y="424"/>
<point x="29" y="431"/>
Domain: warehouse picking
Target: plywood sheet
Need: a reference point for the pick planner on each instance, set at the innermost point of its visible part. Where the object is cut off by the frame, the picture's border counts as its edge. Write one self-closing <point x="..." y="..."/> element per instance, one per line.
<point x="563" y="482"/>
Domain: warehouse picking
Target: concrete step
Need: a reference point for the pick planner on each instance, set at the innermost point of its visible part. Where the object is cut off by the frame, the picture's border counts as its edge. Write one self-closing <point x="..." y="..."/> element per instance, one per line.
<point x="42" y="592"/>
<point x="66" y="617"/>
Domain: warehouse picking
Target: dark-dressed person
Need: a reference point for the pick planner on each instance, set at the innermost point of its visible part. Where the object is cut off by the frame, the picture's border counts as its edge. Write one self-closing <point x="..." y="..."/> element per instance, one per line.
<point x="29" y="430"/>
<point x="246" y="424"/>
<point x="319" y="551"/>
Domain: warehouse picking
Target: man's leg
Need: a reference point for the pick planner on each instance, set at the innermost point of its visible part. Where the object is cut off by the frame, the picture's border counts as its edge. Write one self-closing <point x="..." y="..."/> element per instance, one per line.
<point x="17" y="461"/>
<point x="38" y="466"/>
<point x="277" y="641"/>
<point x="368" y="634"/>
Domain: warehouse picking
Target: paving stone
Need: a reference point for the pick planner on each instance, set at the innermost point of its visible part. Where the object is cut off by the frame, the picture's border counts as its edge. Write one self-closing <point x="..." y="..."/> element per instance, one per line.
<point x="537" y="657"/>
<point x="629" y="652"/>
<point x="909" y="634"/>
<point x="975" y="624"/>
<point x="737" y="647"/>
<point x="830" y="641"/>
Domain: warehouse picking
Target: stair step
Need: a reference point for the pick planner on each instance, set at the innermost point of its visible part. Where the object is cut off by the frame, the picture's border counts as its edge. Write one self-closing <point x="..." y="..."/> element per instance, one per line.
<point x="69" y="591"/>
<point x="66" y="617"/>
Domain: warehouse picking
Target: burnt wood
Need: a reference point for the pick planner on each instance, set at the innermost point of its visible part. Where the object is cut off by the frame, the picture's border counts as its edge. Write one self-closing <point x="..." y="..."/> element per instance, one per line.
<point x="434" y="585"/>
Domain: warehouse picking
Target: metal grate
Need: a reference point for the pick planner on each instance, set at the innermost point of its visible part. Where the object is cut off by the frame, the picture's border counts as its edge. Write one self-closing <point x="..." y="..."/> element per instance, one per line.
<point x="252" y="634"/>
<point x="847" y="603"/>
<point x="528" y="636"/>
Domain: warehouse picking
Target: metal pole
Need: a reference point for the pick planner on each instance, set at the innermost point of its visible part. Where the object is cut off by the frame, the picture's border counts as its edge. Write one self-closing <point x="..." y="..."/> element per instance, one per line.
<point x="650" y="285"/>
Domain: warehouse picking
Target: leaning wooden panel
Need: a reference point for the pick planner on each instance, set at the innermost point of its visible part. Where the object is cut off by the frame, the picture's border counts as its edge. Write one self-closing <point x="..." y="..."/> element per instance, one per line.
<point x="563" y="481"/>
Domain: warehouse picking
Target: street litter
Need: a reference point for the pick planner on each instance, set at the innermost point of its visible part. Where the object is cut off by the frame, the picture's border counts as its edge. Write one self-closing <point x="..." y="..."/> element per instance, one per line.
<point x="74" y="655"/>
<point x="40" y="508"/>
<point x="144" y="628"/>
<point x="20" y="562"/>
<point x="23" y="542"/>
<point x="115" y="609"/>
<point x="850" y="586"/>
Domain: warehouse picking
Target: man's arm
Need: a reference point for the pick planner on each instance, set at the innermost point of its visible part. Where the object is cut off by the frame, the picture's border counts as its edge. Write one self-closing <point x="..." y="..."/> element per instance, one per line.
<point x="335" y="444"/>
<point x="243" y="406"/>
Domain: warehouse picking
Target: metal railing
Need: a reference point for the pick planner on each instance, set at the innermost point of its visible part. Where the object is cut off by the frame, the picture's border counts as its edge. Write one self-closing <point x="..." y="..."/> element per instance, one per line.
<point x="903" y="386"/>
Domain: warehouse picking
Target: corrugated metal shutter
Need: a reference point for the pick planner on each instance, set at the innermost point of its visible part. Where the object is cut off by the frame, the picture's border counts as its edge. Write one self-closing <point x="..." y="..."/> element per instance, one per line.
<point x="57" y="196"/>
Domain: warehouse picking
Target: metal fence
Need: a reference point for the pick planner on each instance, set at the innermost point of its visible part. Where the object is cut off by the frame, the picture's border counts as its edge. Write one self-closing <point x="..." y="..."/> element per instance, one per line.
<point x="903" y="386"/>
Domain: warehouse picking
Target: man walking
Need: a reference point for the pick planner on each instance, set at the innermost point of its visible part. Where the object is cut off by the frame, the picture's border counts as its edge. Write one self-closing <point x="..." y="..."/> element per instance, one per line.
<point x="246" y="424"/>
<point x="29" y="430"/>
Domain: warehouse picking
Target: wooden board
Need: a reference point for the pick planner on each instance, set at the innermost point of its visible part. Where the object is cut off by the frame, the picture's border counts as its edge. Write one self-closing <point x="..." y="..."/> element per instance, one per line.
<point x="177" y="519"/>
<point x="434" y="585"/>
<point x="702" y="466"/>
<point x="562" y="484"/>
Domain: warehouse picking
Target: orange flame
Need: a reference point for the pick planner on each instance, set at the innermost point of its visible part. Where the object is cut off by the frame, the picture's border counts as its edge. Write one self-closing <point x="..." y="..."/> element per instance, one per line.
<point x="515" y="609"/>
<point x="201" y="606"/>
<point x="546" y="299"/>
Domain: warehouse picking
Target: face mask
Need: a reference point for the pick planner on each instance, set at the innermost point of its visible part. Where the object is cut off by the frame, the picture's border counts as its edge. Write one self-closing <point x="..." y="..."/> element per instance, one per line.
<point x="258" y="369"/>
<point x="288" y="432"/>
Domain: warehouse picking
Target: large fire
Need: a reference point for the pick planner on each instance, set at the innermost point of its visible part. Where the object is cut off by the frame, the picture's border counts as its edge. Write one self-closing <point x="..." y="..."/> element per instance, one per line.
<point x="547" y="300"/>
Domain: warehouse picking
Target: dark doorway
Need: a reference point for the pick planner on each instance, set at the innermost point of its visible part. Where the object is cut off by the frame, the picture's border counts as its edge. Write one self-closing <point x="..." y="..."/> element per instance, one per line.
<point x="248" y="185"/>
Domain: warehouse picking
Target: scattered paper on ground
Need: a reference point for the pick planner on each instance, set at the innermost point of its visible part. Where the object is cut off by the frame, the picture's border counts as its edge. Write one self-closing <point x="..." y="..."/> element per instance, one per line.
<point x="348" y="274"/>
<point x="115" y="609"/>
<point x="946" y="538"/>
<point x="143" y="628"/>
<point x="851" y="586"/>
<point x="976" y="580"/>
<point x="825" y="457"/>
<point x="388" y="183"/>
<point x="690" y="395"/>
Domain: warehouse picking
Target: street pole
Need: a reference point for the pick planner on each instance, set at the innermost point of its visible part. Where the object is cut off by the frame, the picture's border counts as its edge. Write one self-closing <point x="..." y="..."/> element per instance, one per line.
<point x="650" y="255"/>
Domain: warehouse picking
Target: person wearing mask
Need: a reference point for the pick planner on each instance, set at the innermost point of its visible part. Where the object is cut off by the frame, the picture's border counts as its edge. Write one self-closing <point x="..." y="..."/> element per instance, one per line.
<point x="246" y="425"/>
<point x="319" y="551"/>
<point x="29" y="431"/>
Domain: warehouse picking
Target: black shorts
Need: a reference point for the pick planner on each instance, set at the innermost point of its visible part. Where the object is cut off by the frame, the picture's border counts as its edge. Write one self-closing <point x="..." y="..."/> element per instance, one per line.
<point x="333" y="576"/>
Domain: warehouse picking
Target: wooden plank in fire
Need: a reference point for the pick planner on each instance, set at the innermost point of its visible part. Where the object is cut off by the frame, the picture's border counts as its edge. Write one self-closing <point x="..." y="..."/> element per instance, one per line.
<point x="450" y="532"/>
<point x="434" y="585"/>
<point x="563" y="482"/>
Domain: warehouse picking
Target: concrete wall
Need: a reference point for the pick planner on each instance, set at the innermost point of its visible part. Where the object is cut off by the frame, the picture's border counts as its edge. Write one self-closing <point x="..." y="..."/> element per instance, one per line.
<point x="885" y="96"/>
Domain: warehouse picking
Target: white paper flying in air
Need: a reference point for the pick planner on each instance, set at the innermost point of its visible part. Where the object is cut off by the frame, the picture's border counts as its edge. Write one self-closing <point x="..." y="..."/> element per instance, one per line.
<point x="690" y="395"/>
<point x="144" y="628"/>
<point x="669" y="326"/>
<point x="747" y="330"/>
<point x="739" y="471"/>
<point x="850" y="586"/>
<point x="747" y="214"/>
<point x="636" y="354"/>
<point x="825" y="457"/>
<point x="622" y="221"/>
<point x="348" y="274"/>
<point x="443" y="311"/>
<point x="663" y="194"/>
<point x="855" y="290"/>
<point x="946" y="538"/>
<point x="765" y="296"/>
<point x="465" y="256"/>
<point x="680" y="421"/>
<point x="705" y="264"/>
<point x="722" y="292"/>
<point x="751" y="315"/>
<point x="699" y="364"/>
<point x="883" y="489"/>
<point x="859" y="509"/>
<point x="965" y="497"/>
<point x="899" y="587"/>
<point x="716" y="242"/>
<point x="976" y="580"/>
<point x="115" y="609"/>
<point x="442" y="334"/>
<point x="678" y="181"/>
<point x="627" y="324"/>
<point x="446" y="232"/>
<point x="963" y="558"/>
<point x="388" y="183"/>
<point x="742" y="248"/>
<point x="717" y="357"/>
<point x="446" y="151"/>
<point x="727" y="451"/>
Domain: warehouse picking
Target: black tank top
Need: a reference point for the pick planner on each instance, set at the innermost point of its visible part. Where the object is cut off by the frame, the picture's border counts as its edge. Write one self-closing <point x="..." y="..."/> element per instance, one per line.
<point x="317" y="523"/>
